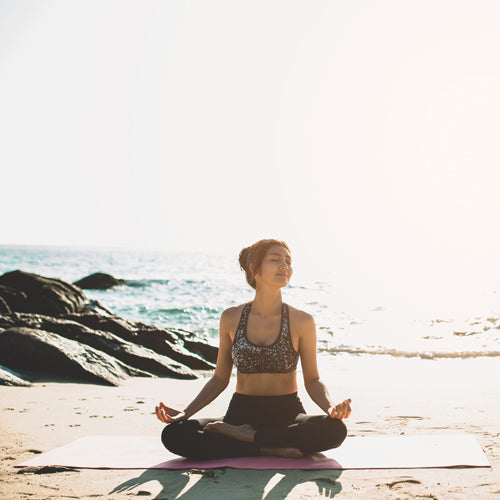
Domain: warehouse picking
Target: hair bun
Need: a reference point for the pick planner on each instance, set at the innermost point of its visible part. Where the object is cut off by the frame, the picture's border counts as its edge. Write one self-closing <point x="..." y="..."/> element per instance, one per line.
<point x="243" y="259"/>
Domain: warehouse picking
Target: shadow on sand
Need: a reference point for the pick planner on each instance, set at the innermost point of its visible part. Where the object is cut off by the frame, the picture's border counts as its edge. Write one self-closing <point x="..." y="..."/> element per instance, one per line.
<point x="218" y="484"/>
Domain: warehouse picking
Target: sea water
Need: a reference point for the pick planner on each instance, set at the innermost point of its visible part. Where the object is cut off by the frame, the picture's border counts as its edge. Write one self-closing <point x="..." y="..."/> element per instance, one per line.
<point x="190" y="290"/>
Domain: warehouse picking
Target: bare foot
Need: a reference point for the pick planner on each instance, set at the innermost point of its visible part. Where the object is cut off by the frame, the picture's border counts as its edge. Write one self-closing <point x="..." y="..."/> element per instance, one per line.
<point x="243" y="432"/>
<point x="282" y="452"/>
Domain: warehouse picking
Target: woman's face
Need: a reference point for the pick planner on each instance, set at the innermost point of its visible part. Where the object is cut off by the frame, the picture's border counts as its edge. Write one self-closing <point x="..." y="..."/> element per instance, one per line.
<point x="276" y="268"/>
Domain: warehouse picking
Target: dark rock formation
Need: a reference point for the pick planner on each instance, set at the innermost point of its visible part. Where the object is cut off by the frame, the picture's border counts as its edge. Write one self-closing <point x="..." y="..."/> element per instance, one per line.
<point x="43" y="295"/>
<point x="9" y="377"/>
<point x="56" y="332"/>
<point x="15" y="299"/>
<point x="158" y="341"/>
<point x="206" y="351"/>
<point x="98" y="281"/>
<point x="94" y="306"/>
<point x="4" y="307"/>
<point x="48" y="354"/>
<point x="166" y="342"/>
<point x="132" y="354"/>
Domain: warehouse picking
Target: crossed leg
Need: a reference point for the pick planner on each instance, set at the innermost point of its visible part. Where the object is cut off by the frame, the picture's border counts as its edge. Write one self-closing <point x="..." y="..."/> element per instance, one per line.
<point x="246" y="433"/>
<point x="213" y="438"/>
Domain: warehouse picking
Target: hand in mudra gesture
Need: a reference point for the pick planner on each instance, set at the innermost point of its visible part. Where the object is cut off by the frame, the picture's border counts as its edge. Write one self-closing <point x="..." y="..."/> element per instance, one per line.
<point x="342" y="410"/>
<point x="168" y="415"/>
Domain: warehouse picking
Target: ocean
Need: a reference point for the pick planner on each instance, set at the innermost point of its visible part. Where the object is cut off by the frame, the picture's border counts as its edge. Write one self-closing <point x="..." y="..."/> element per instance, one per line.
<point x="190" y="290"/>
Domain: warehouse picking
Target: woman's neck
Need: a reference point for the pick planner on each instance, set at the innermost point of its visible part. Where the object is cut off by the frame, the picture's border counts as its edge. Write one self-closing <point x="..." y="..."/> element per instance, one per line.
<point x="267" y="301"/>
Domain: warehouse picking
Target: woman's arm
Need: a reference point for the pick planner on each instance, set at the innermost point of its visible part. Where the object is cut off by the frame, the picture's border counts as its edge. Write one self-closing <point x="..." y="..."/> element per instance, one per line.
<point x="314" y="386"/>
<point x="216" y="384"/>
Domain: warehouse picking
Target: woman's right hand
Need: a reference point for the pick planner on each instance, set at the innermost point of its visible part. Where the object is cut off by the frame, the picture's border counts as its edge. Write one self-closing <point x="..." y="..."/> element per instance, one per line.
<point x="168" y="415"/>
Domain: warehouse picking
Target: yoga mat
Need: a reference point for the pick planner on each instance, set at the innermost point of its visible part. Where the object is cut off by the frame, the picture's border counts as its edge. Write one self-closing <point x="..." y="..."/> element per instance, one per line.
<point x="371" y="452"/>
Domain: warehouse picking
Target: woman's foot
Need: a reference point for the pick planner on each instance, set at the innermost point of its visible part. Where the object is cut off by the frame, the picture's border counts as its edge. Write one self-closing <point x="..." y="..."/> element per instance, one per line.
<point x="246" y="433"/>
<point x="282" y="452"/>
<point x="243" y="432"/>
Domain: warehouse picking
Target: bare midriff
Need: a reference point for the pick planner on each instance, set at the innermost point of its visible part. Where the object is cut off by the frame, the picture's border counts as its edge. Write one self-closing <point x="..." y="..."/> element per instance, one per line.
<point x="266" y="384"/>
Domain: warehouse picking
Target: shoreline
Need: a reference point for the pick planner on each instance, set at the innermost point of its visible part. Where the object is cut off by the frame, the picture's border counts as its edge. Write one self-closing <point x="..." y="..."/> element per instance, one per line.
<point x="416" y="402"/>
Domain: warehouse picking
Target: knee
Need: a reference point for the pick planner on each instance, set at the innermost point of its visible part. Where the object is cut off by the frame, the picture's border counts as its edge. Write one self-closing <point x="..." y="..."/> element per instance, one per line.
<point x="336" y="432"/>
<point x="171" y="437"/>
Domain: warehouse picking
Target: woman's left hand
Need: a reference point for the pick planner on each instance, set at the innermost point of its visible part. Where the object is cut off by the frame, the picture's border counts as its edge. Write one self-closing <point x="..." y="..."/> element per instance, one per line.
<point x="342" y="410"/>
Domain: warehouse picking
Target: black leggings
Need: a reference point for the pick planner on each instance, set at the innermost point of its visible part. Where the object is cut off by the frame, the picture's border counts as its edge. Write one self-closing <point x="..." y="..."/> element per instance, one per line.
<point x="279" y="421"/>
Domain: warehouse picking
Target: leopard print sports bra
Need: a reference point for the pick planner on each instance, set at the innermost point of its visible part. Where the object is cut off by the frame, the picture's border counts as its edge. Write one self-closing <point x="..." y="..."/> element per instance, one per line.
<point x="278" y="357"/>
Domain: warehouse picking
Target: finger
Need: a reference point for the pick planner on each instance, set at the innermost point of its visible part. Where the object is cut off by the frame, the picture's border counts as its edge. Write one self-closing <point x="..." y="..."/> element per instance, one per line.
<point x="342" y="410"/>
<point x="349" y="406"/>
<point x="164" y="417"/>
<point x="159" y="415"/>
<point x="345" y="409"/>
<point x="157" y="411"/>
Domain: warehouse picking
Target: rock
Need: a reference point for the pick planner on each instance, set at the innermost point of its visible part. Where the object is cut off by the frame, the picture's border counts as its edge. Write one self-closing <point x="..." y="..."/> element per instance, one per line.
<point x="96" y="336"/>
<point x="9" y="377"/>
<point x="203" y="349"/>
<point x="20" y="319"/>
<point x="94" y="306"/>
<point x="206" y="351"/>
<point x="132" y="354"/>
<point x="158" y="341"/>
<point x="4" y="307"/>
<point x="98" y="281"/>
<point x="43" y="353"/>
<point x="166" y="342"/>
<point x="43" y="295"/>
<point x="14" y="299"/>
<point x="113" y="324"/>
<point x="50" y="328"/>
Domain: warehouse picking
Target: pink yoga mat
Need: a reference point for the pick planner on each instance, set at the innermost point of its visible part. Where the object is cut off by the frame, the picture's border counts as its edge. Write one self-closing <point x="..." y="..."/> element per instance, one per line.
<point x="370" y="452"/>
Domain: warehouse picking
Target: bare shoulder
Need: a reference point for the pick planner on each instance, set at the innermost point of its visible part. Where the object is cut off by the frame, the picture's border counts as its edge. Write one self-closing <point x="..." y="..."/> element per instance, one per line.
<point x="230" y="317"/>
<point x="301" y="320"/>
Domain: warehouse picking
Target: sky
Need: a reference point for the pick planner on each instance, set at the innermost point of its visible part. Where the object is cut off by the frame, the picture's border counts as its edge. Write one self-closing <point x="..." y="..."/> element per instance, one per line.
<point x="363" y="133"/>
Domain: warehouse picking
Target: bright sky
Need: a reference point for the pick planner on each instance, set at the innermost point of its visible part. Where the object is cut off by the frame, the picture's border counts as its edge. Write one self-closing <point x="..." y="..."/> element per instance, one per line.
<point x="364" y="133"/>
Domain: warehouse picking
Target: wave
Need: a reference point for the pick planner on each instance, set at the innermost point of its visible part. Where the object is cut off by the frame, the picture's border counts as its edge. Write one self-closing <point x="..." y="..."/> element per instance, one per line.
<point x="187" y="310"/>
<point x="412" y="354"/>
<point x="173" y="310"/>
<point x="144" y="283"/>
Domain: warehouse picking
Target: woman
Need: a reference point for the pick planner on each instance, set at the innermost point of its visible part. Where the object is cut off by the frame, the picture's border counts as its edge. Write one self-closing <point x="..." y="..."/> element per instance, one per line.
<point x="264" y="340"/>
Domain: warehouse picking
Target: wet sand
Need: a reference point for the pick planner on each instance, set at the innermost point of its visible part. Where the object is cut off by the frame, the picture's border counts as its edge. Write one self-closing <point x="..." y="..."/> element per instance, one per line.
<point x="390" y="397"/>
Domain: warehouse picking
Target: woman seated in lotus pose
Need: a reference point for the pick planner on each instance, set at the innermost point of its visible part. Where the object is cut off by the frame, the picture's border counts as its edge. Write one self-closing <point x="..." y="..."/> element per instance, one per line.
<point x="264" y="340"/>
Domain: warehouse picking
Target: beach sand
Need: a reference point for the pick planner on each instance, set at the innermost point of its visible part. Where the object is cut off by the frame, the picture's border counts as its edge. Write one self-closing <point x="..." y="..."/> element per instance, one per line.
<point x="390" y="397"/>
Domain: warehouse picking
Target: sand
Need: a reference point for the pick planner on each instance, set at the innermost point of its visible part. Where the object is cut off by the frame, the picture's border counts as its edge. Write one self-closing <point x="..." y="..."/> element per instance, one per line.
<point x="389" y="396"/>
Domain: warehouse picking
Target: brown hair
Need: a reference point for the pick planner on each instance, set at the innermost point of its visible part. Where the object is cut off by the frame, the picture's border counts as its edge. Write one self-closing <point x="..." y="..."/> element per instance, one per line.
<point x="255" y="254"/>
